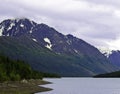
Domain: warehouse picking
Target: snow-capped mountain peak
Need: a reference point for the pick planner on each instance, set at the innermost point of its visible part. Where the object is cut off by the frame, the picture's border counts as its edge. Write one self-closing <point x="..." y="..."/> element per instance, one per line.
<point x="16" y="27"/>
<point x="46" y="49"/>
<point x="105" y="51"/>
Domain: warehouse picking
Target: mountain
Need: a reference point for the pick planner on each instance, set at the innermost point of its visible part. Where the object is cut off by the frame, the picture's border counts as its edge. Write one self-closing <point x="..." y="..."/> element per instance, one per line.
<point x="112" y="55"/>
<point x="105" y="51"/>
<point x="47" y="50"/>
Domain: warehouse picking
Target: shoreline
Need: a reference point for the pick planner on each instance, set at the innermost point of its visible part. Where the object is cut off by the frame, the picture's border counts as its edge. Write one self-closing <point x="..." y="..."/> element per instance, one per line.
<point x="23" y="87"/>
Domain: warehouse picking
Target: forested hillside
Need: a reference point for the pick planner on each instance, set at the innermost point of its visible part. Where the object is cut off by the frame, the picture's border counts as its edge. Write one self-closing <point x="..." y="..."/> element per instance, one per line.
<point x="109" y="75"/>
<point x="11" y="70"/>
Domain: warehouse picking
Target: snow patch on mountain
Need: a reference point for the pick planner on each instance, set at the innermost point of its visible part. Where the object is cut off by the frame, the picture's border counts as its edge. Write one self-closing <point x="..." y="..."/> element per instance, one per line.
<point x="21" y="25"/>
<point x="11" y="25"/>
<point x="49" y="45"/>
<point x="76" y="51"/>
<point x="8" y="34"/>
<point x="30" y="31"/>
<point x="32" y="22"/>
<point x="47" y="40"/>
<point x="17" y="20"/>
<point x="105" y="51"/>
<point x="1" y="30"/>
<point x="34" y="40"/>
<point x="69" y="42"/>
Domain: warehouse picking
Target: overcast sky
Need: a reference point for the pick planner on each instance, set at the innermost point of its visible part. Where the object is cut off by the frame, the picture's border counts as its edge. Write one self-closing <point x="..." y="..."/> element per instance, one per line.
<point x="95" y="21"/>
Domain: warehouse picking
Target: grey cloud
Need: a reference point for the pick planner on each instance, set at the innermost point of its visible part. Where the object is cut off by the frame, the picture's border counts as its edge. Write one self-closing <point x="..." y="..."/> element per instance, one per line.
<point x="95" y="27"/>
<point x="106" y="2"/>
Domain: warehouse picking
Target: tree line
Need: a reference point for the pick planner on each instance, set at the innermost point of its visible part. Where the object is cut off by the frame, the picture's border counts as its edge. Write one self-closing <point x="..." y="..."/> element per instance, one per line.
<point x="15" y="70"/>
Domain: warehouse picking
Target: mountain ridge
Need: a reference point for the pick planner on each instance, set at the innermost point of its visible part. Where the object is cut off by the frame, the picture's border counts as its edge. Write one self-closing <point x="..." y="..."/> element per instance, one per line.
<point x="46" y="49"/>
<point x="112" y="55"/>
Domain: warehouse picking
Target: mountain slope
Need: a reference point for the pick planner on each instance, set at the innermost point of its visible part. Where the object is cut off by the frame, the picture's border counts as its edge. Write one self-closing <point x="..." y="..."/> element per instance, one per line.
<point x="47" y="50"/>
<point x="41" y="59"/>
<point x="109" y="75"/>
<point x="114" y="57"/>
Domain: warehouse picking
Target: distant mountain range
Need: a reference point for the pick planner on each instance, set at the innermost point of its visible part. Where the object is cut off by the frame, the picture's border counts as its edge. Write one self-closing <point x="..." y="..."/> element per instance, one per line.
<point x="112" y="55"/>
<point x="47" y="50"/>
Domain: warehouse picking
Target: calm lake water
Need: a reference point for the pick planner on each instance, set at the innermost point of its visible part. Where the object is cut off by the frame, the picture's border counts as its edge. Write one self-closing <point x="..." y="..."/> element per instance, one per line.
<point x="83" y="86"/>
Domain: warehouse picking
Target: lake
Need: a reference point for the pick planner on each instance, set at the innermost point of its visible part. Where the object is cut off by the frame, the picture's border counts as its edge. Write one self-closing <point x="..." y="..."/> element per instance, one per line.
<point x="83" y="86"/>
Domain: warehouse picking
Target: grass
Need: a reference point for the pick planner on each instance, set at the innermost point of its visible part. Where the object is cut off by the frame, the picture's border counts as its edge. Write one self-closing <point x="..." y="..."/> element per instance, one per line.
<point x="23" y="87"/>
